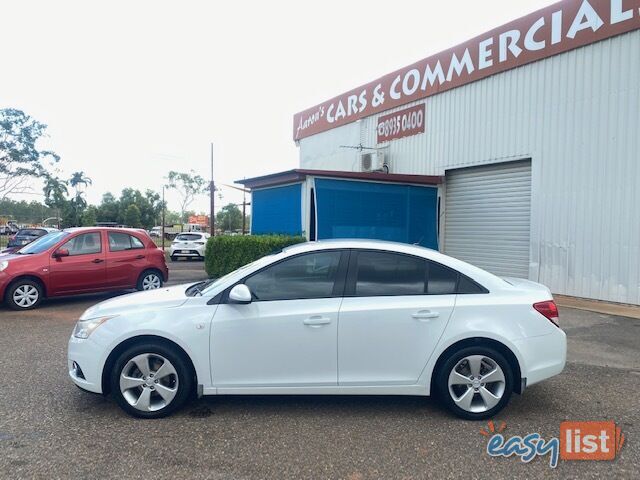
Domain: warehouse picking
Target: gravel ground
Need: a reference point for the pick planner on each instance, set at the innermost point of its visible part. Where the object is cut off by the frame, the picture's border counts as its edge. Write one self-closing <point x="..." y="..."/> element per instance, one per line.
<point x="51" y="429"/>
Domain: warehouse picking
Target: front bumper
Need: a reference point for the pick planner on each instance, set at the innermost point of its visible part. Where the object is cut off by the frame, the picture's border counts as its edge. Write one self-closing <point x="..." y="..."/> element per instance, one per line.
<point x="82" y="361"/>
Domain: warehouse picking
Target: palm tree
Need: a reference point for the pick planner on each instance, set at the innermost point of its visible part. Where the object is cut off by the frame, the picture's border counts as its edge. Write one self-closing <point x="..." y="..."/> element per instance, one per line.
<point x="77" y="179"/>
<point x="78" y="203"/>
<point x="55" y="191"/>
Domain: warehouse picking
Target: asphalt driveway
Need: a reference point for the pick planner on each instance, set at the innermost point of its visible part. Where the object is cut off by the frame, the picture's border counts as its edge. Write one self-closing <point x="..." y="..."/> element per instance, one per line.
<point x="51" y="429"/>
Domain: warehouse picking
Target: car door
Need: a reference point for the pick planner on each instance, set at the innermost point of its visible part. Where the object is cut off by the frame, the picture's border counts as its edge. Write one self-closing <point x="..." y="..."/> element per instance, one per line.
<point x="126" y="258"/>
<point x="83" y="270"/>
<point x="287" y="335"/>
<point x="395" y="309"/>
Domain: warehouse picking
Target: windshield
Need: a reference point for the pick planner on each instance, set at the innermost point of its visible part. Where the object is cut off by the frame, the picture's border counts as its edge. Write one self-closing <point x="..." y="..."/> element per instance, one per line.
<point x="189" y="236"/>
<point x="43" y="243"/>
<point x="32" y="232"/>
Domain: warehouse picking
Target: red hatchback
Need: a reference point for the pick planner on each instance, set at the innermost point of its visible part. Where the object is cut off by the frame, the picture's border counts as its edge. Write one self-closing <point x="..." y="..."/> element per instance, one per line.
<point x="81" y="260"/>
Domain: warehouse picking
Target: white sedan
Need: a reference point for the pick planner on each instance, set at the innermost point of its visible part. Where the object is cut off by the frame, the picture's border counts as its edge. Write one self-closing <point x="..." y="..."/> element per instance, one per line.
<point x="357" y="317"/>
<point x="188" y="245"/>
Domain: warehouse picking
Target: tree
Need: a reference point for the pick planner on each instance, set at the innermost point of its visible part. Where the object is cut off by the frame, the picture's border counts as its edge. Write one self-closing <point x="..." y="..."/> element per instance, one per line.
<point x="188" y="185"/>
<point x="171" y="218"/>
<point x="109" y="208"/>
<point x="20" y="159"/>
<point x="55" y="192"/>
<point x="89" y="217"/>
<point x="132" y="216"/>
<point x="77" y="179"/>
<point x="77" y="203"/>
<point x="229" y="218"/>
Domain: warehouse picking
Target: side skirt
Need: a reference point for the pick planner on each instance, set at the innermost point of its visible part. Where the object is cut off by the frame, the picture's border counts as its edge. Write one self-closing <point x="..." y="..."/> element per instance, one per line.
<point x="419" y="390"/>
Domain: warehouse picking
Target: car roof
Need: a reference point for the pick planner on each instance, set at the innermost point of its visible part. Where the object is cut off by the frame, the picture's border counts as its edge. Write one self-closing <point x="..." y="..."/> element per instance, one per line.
<point x="106" y="229"/>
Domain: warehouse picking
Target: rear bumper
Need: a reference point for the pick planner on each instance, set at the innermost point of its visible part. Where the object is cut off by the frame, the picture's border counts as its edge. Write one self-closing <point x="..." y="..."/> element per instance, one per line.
<point x="177" y="252"/>
<point x="543" y="356"/>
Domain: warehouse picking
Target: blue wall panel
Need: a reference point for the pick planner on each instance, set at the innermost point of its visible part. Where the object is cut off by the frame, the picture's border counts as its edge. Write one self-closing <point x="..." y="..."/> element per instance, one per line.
<point x="277" y="210"/>
<point x="401" y="213"/>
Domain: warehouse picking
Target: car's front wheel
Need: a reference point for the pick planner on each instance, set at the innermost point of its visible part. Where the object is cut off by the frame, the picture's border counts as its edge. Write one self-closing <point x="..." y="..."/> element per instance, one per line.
<point x="475" y="383"/>
<point x="24" y="295"/>
<point x="151" y="380"/>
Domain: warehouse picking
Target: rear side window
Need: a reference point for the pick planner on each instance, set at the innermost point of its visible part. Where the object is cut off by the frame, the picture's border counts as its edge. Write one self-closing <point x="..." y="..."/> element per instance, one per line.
<point x="467" y="286"/>
<point x="385" y="273"/>
<point x="123" y="241"/>
<point x="380" y="273"/>
<point x="441" y="280"/>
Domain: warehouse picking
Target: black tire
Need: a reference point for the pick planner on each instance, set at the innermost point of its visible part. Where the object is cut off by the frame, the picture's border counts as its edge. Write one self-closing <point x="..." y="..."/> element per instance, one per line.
<point x="9" y="295"/>
<point x="185" y="378"/>
<point x="144" y="275"/>
<point x="173" y="258"/>
<point x="442" y="381"/>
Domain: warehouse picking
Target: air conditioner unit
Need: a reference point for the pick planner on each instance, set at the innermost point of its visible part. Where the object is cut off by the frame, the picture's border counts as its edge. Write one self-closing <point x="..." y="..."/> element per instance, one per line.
<point x="374" y="162"/>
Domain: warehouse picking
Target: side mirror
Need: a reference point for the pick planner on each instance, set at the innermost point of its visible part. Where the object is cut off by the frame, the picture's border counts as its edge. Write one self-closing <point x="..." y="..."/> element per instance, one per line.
<point x="61" y="252"/>
<point x="240" y="294"/>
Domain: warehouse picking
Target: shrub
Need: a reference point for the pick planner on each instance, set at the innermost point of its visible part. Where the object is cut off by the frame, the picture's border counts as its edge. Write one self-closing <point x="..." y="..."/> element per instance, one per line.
<point x="225" y="253"/>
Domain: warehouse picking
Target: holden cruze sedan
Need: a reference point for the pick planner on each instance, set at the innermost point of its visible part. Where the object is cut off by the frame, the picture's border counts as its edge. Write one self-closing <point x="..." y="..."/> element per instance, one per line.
<point x="80" y="260"/>
<point x="330" y="317"/>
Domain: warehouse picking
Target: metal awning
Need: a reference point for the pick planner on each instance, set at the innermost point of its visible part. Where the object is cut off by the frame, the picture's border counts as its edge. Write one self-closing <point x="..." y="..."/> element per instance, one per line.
<point x="298" y="175"/>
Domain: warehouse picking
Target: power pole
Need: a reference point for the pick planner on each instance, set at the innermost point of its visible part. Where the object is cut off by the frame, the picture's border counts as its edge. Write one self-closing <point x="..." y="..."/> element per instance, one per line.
<point x="164" y="208"/>
<point x="212" y="198"/>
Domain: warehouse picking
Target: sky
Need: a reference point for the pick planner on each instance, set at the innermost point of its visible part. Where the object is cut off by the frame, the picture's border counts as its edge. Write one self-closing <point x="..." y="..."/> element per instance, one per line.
<point x="133" y="89"/>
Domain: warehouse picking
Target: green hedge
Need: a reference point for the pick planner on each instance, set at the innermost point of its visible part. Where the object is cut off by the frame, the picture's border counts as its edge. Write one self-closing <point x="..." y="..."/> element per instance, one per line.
<point x="226" y="253"/>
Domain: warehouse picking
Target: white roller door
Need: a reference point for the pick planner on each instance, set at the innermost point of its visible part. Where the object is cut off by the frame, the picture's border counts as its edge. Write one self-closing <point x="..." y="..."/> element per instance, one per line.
<point x="487" y="217"/>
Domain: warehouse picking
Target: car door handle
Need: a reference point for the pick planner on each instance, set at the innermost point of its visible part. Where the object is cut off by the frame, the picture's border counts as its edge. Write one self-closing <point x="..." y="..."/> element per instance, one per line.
<point x="425" y="315"/>
<point x="97" y="260"/>
<point x="317" y="321"/>
<point x="139" y="257"/>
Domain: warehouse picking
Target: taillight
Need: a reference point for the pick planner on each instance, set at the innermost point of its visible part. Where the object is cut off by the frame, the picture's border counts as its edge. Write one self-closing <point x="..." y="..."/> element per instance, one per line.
<point x="549" y="309"/>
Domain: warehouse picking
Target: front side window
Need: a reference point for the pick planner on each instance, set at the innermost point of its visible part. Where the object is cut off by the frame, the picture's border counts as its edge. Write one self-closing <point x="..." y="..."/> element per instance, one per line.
<point x="311" y="275"/>
<point x="123" y="241"/>
<point x="386" y="273"/>
<point x="84" y="244"/>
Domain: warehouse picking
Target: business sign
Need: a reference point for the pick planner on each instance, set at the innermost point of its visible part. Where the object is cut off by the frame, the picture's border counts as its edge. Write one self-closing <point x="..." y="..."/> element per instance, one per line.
<point x="552" y="30"/>
<point x="199" y="219"/>
<point x="402" y="123"/>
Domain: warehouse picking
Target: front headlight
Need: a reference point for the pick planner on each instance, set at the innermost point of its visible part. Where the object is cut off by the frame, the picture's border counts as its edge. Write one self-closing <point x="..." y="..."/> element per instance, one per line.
<point x="4" y="264"/>
<point x="84" y="328"/>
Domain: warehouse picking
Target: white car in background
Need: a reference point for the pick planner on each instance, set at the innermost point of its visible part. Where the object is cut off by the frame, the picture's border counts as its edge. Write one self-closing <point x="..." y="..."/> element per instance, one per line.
<point x="358" y="317"/>
<point x="188" y="245"/>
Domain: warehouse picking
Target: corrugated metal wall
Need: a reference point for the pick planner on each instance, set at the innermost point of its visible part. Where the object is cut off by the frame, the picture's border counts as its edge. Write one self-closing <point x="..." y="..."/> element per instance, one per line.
<point x="577" y="116"/>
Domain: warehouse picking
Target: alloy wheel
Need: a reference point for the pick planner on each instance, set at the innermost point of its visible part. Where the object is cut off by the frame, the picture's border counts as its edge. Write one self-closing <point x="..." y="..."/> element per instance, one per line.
<point x="26" y="296"/>
<point x="477" y="383"/>
<point x="149" y="382"/>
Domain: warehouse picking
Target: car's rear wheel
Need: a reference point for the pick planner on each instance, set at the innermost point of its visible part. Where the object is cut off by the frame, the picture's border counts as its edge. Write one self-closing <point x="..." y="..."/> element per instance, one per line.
<point x="24" y="295"/>
<point x="149" y="280"/>
<point x="151" y="380"/>
<point x="475" y="383"/>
